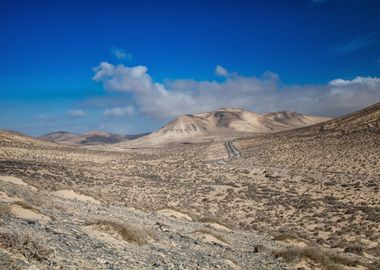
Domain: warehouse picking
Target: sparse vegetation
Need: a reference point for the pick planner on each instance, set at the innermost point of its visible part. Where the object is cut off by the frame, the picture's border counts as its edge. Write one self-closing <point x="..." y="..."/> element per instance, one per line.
<point x="356" y="249"/>
<point x="284" y="237"/>
<point x="128" y="232"/>
<point x="167" y="207"/>
<point x="4" y="210"/>
<point x="326" y="260"/>
<point x="26" y="246"/>
<point x="211" y="219"/>
<point x="6" y="262"/>
<point x="212" y="233"/>
<point x="25" y="205"/>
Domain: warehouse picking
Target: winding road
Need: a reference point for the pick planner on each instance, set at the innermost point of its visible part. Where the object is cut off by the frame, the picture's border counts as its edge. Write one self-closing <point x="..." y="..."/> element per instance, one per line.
<point x="232" y="150"/>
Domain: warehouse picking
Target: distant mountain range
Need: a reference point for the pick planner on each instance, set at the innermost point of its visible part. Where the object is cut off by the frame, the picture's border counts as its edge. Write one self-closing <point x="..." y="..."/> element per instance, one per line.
<point x="208" y="126"/>
<point x="90" y="138"/>
<point x="223" y="123"/>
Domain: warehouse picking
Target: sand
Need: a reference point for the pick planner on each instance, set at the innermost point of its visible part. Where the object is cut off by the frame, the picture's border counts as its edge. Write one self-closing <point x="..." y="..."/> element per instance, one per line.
<point x="72" y="195"/>
<point x="23" y="213"/>
<point x="110" y="237"/>
<point x="218" y="226"/>
<point x="173" y="213"/>
<point x="208" y="238"/>
<point x="17" y="181"/>
<point x="5" y="198"/>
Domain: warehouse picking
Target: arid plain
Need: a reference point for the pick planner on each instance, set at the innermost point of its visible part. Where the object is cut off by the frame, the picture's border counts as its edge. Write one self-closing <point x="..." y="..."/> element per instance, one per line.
<point x="305" y="198"/>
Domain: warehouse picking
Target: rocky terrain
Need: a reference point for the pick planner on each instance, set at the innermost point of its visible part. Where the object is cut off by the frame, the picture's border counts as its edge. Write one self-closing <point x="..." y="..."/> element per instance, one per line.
<point x="67" y="230"/>
<point x="301" y="199"/>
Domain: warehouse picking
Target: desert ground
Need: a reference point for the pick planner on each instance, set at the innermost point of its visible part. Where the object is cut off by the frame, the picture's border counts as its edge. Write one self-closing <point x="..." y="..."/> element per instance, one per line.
<point x="307" y="198"/>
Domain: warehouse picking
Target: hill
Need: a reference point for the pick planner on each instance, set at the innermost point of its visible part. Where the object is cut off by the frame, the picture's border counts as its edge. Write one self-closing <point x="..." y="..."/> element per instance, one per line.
<point x="89" y="138"/>
<point x="221" y="124"/>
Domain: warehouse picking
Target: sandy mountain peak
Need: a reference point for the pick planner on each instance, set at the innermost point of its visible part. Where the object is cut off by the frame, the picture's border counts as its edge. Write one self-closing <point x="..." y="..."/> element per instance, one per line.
<point x="222" y="122"/>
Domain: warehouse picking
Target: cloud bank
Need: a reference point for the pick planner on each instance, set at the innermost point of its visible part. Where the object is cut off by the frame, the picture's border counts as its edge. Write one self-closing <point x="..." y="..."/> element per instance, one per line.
<point x="259" y="94"/>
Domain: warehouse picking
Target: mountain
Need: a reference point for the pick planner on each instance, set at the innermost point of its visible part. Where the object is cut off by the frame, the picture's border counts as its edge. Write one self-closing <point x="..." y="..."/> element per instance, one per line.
<point x="90" y="138"/>
<point x="245" y="121"/>
<point x="224" y="122"/>
<point x="59" y="136"/>
<point x="17" y="139"/>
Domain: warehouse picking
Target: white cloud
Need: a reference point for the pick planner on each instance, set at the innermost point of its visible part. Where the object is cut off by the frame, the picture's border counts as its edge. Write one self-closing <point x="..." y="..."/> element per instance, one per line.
<point x="122" y="78"/>
<point x="120" y="111"/>
<point x="76" y="113"/>
<point x="221" y="71"/>
<point x="259" y="94"/>
<point x="120" y="54"/>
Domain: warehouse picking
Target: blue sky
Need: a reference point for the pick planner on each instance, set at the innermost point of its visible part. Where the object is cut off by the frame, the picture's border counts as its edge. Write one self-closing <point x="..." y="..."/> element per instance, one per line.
<point x="130" y="66"/>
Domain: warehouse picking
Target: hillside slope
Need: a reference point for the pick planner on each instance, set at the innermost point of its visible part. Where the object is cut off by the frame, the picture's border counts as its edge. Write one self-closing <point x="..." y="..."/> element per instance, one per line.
<point x="341" y="140"/>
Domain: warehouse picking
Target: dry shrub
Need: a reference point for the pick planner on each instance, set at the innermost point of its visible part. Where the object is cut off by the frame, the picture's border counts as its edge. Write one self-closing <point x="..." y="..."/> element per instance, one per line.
<point x="212" y="233"/>
<point x="356" y="249"/>
<point x="25" y="245"/>
<point x="28" y="206"/>
<point x="4" y="210"/>
<point x="211" y="219"/>
<point x="167" y="207"/>
<point x="285" y="236"/>
<point x="192" y="215"/>
<point x="25" y="205"/>
<point x="374" y="266"/>
<point x="6" y="262"/>
<point x="128" y="232"/>
<point x="31" y="197"/>
<point x="327" y="260"/>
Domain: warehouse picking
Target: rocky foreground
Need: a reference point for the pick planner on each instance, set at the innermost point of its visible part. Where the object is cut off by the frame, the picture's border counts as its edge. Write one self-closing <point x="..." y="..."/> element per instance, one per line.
<point x="66" y="230"/>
